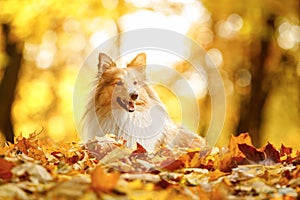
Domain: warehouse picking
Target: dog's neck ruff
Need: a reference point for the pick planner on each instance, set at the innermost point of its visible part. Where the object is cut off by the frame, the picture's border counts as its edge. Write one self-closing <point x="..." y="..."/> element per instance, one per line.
<point x="145" y="127"/>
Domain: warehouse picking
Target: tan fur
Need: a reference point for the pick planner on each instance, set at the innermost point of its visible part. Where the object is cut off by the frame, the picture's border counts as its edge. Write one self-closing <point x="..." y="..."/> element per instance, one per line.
<point x="123" y="104"/>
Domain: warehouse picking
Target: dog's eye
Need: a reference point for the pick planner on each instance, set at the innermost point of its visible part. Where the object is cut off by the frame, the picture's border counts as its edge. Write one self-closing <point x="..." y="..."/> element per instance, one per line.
<point x="119" y="82"/>
<point x="135" y="82"/>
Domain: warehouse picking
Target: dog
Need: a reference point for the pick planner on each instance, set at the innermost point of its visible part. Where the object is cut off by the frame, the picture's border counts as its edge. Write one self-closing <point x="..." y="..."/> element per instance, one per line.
<point x="123" y="104"/>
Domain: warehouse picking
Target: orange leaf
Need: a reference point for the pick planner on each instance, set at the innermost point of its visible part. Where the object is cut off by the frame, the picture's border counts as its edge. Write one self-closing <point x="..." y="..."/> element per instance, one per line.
<point x="243" y="138"/>
<point x="267" y="155"/>
<point x="5" y="169"/>
<point x="139" y="149"/>
<point x="22" y="145"/>
<point x="228" y="162"/>
<point x="285" y="150"/>
<point x="172" y="164"/>
<point x="272" y="153"/>
<point x="234" y="156"/>
<point x="251" y="153"/>
<point x="103" y="181"/>
<point x="216" y="174"/>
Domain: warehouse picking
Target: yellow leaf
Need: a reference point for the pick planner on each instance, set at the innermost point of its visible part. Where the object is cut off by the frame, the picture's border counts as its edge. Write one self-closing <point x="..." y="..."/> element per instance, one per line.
<point x="103" y="181"/>
<point x="216" y="174"/>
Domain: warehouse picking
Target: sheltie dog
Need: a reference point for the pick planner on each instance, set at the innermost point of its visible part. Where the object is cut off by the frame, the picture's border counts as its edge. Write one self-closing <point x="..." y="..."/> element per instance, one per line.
<point x="123" y="104"/>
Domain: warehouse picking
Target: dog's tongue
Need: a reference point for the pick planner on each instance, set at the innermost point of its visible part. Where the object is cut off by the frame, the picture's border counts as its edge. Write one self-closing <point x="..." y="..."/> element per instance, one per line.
<point x="130" y="106"/>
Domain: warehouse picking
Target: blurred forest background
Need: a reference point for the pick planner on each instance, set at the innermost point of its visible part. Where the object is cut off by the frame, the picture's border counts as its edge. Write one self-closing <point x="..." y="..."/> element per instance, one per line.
<point x="253" y="43"/>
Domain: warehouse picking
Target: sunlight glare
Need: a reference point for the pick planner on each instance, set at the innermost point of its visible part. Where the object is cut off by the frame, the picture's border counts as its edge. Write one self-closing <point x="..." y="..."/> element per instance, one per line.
<point x="110" y="4"/>
<point x="214" y="58"/>
<point x="243" y="77"/>
<point x="44" y="59"/>
<point x="30" y="51"/>
<point x="71" y="25"/>
<point x="193" y="12"/>
<point x="139" y="18"/>
<point x="289" y="35"/>
<point x="229" y="28"/>
<point x="98" y="34"/>
<point x="98" y="37"/>
<point x="139" y="4"/>
<point x="77" y="42"/>
<point x="199" y="85"/>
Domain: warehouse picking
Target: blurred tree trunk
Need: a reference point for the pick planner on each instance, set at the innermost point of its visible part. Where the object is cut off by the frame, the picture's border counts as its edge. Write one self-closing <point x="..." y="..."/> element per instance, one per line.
<point x="251" y="111"/>
<point x="9" y="83"/>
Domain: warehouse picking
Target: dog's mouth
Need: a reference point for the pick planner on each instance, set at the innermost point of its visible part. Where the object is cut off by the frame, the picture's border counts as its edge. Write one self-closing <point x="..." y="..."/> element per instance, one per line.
<point x="127" y="105"/>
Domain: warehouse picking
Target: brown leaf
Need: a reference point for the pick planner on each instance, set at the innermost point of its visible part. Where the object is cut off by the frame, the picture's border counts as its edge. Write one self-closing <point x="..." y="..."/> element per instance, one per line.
<point x="195" y="160"/>
<point x="216" y="174"/>
<point x="163" y="184"/>
<point x="73" y="159"/>
<point x="251" y="153"/>
<point x="228" y="162"/>
<point x="22" y="145"/>
<point x="103" y="181"/>
<point x="5" y="169"/>
<point x="285" y="150"/>
<point x="172" y="164"/>
<point x="243" y="138"/>
<point x="101" y="146"/>
<point x="235" y="156"/>
<point x="267" y="155"/>
<point x="139" y="149"/>
<point x="31" y="147"/>
<point x="36" y="173"/>
<point x="271" y="153"/>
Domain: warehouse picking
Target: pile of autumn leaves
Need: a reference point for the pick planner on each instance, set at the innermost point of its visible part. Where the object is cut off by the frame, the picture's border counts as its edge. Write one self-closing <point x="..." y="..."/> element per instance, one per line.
<point x="35" y="168"/>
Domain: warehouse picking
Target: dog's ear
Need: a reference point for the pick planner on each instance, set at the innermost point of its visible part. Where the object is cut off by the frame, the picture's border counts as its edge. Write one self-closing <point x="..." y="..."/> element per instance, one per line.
<point x="105" y="62"/>
<point x="139" y="61"/>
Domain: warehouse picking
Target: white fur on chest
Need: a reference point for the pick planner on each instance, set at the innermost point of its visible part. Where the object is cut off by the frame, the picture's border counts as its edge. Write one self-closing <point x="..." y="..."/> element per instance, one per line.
<point x="143" y="127"/>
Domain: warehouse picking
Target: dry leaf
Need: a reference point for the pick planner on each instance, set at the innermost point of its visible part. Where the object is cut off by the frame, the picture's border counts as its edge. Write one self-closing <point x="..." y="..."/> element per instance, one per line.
<point x="47" y="170"/>
<point x="12" y="191"/>
<point x="139" y="149"/>
<point x="5" y="169"/>
<point x="216" y="174"/>
<point x="243" y="138"/>
<point x="285" y="150"/>
<point x="103" y="181"/>
<point x="37" y="173"/>
<point x="172" y="164"/>
<point x="272" y="155"/>
<point x="251" y="153"/>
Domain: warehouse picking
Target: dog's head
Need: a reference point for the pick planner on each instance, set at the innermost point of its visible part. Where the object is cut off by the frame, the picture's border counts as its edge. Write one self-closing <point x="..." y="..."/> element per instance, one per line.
<point x="122" y="88"/>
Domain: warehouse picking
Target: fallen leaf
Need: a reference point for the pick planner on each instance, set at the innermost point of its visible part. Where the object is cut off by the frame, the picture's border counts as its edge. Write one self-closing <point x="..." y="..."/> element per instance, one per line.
<point x="285" y="150"/>
<point x="172" y="164"/>
<point x="102" y="146"/>
<point x="251" y="153"/>
<point x="70" y="189"/>
<point x="243" y="138"/>
<point x="30" y="146"/>
<point x="216" y="174"/>
<point x="139" y="149"/>
<point x="272" y="155"/>
<point x="37" y="173"/>
<point x="71" y="171"/>
<point x="5" y="169"/>
<point x="103" y="181"/>
<point x="227" y="162"/>
<point x="12" y="191"/>
<point x="234" y="155"/>
<point x="154" y="178"/>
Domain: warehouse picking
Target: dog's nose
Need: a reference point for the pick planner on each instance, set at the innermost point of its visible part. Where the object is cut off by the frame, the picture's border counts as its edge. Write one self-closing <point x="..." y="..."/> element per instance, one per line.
<point x="134" y="96"/>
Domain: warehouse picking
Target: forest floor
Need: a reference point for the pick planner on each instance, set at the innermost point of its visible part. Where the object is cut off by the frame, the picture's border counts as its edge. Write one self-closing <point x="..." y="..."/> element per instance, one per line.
<point x="35" y="168"/>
